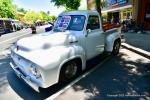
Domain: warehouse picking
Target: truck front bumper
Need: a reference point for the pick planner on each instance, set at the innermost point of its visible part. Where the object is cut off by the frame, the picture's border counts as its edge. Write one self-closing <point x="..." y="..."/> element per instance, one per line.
<point x="26" y="78"/>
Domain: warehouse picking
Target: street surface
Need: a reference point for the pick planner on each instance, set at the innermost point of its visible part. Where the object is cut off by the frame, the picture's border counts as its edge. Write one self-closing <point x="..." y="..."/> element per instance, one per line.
<point x="8" y="39"/>
<point x="122" y="77"/>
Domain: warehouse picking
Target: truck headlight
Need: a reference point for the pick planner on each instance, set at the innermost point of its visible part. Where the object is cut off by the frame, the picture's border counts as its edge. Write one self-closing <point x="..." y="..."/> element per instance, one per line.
<point x="34" y="71"/>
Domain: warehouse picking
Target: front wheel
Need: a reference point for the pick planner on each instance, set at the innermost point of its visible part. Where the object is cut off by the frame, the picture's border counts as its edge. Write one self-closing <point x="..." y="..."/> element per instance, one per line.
<point x="116" y="47"/>
<point x="69" y="71"/>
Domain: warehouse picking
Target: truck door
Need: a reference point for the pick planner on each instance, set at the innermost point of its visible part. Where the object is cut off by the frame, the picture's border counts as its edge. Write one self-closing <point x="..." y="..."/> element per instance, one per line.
<point x="94" y="37"/>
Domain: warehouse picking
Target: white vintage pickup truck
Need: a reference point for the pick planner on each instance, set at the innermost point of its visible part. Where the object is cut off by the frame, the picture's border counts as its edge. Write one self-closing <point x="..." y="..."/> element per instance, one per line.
<point x="45" y="59"/>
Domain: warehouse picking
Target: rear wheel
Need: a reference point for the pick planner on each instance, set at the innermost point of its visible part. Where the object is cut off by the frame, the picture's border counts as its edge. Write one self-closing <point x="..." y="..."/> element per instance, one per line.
<point x="69" y="71"/>
<point x="116" y="47"/>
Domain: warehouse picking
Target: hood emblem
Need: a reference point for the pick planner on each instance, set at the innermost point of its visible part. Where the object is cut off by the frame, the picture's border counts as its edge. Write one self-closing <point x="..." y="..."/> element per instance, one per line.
<point x="17" y="48"/>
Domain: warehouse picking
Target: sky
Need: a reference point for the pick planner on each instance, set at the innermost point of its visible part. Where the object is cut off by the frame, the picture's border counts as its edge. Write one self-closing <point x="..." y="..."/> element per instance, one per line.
<point x="42" y="5"/>
<point x="39" y="5"/>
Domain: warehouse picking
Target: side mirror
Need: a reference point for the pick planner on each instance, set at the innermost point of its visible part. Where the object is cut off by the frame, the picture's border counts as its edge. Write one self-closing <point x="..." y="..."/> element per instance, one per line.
<point x="87" y="32"/>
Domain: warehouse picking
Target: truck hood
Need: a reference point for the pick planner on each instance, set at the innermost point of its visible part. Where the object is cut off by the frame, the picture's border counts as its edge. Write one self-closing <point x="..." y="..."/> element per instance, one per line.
<point x="45" y="41"/>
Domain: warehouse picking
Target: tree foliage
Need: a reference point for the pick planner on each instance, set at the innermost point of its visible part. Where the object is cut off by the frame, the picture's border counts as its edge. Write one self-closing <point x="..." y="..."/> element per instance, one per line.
<point x="70" y="4"/>
<point x="21" y="10"/>
<point x="52" y="18"/>
<point x="7" y="9"/>
<point x="32" y="16"/>
<point x="44" y="15"/>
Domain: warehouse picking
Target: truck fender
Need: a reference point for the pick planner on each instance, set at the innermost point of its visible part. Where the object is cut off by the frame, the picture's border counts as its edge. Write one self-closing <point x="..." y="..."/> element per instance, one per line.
<point x="79" y="53"/>
<point x="109" y="42"/>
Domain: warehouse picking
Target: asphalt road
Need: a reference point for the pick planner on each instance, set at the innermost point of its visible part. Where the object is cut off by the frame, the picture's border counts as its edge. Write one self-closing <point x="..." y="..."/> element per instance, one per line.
<point x="126" y="76"/>
<point x="7" y="40"/>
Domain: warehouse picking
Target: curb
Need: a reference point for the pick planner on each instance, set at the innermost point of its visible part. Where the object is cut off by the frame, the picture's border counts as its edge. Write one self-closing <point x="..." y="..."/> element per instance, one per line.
<point x="136" y="50"/>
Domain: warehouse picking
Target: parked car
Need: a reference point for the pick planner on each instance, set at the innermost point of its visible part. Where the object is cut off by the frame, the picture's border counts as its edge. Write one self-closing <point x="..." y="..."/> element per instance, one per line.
<point x="5" y="26"/>
<point x="17" y="25"/>
<point x="2" y="31"/>
<point x="60" y="55"/>
<point x="49" y="26"/>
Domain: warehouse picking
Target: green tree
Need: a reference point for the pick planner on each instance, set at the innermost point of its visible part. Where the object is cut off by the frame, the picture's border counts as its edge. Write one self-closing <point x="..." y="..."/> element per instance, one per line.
<point x="53" y="18"/>
<point x="69" y="4"/>
<point x="22" y="10"/>
<point x="7" y="9"/>
<point x="44" y="15"/>
<point x="68" y="9"/>
<point x="31" y="16"/>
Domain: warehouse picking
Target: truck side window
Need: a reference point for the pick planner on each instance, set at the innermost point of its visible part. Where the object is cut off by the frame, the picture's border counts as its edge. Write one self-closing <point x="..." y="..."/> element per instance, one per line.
<point x="93" y="22"/>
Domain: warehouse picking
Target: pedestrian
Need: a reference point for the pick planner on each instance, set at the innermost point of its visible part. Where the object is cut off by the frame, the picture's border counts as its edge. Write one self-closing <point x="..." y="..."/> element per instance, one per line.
<point x="142" y="27"/>
<point x="33" y="28"/>
<point x="124" y="23"/>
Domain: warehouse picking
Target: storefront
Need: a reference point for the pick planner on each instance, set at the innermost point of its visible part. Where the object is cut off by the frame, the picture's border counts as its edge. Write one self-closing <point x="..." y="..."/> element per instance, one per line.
<point x="138" y="10"/>
<point x="119" y="9"/>
<point x="144" y="13"/>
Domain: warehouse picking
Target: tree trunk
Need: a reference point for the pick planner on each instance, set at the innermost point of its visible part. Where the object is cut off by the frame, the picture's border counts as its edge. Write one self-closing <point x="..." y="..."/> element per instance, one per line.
<point x="98" y="6"/>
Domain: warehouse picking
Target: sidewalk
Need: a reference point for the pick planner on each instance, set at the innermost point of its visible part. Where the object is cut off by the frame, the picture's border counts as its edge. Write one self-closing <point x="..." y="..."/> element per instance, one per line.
<point x="138" y="43"/>
<point x="138" y="40"/>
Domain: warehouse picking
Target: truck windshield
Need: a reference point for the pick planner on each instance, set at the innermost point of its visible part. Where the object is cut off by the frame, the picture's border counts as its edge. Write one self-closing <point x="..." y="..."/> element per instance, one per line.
<point x="73" y="22"/>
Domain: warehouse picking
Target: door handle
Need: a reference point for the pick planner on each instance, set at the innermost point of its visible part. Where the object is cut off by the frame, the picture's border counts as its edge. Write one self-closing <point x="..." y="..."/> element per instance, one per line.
<point x="73" y="42"/>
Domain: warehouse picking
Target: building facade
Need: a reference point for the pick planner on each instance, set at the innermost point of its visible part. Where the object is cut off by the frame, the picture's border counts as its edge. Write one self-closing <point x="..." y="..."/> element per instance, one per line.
<point x="119" y="9"/>
<point x="139" y="10"/>
<point x="143" y="15"/>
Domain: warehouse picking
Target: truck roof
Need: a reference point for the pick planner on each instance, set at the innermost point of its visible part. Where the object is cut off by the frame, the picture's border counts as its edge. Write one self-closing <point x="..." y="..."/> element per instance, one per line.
<point x="80" y="12"/>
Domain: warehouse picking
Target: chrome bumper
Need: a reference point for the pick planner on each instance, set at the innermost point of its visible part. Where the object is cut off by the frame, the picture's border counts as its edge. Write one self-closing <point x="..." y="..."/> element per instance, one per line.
<point x="25" y="77"/>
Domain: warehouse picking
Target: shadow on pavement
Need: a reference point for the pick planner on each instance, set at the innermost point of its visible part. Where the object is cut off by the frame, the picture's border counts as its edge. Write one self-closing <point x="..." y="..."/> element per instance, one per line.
<point x="5" y="68"/>
<point x="124" y="80"/>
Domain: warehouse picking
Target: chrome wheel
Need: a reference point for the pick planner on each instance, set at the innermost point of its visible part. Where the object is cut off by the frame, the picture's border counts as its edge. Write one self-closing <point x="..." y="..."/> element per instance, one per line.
<point x="71" y="70"/>
<point x="116" y="48"/>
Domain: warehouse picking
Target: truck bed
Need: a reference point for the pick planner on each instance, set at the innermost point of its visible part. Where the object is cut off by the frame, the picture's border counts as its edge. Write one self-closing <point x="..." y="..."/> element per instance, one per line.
<point x="109" y="26"/>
